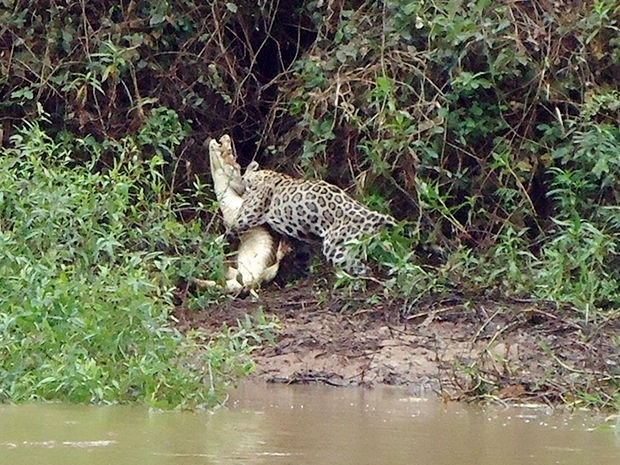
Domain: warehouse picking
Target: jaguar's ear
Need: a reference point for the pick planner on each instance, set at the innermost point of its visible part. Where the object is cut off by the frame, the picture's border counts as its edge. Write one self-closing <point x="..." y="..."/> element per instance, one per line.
<point x="253" y="166"/>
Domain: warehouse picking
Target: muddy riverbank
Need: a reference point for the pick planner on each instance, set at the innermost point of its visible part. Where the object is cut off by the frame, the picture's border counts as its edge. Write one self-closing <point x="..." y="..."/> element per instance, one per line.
<point x="500" y="350"/>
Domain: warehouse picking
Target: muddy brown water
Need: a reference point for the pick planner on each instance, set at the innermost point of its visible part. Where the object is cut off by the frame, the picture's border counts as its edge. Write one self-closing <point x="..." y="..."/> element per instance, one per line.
<point x="276" y="424"/>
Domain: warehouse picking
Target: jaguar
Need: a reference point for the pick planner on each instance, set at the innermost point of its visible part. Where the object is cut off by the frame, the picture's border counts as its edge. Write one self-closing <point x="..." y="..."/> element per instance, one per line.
<point x="309" y="208"/>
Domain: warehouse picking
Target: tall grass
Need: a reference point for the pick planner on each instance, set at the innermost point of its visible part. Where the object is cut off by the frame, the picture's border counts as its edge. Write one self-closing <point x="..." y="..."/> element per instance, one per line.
<point x="88" y="260"/>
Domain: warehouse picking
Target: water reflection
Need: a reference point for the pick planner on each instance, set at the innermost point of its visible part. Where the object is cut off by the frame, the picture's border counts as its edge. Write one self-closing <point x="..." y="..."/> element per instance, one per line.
<point x="304" y="425"/>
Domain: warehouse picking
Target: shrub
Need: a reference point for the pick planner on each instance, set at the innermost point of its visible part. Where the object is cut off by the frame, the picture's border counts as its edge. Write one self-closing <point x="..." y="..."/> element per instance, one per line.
<point x="492" y="128"/>
<point x="88" y="260"/>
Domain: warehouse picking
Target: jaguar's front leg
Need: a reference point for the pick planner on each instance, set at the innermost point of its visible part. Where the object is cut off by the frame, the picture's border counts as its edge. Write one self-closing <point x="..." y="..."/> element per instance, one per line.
<point x="247" y="217"/>
<point x="253" y="210"/>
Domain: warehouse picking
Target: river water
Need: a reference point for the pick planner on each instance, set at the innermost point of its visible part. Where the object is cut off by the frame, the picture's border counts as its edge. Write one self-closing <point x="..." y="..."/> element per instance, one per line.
<point x="275" y="424"/>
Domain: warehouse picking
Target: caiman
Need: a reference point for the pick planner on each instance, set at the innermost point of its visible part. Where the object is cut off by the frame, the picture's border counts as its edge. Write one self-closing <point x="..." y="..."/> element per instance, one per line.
<point x="259" y="254"/>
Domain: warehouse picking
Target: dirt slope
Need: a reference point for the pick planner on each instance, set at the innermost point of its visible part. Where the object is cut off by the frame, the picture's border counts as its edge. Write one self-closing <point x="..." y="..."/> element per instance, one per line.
<point x="495" y="350"/>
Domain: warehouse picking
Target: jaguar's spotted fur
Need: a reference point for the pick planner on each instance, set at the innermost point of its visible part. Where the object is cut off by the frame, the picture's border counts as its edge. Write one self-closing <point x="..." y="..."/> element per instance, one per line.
<point x="305" y="208"/>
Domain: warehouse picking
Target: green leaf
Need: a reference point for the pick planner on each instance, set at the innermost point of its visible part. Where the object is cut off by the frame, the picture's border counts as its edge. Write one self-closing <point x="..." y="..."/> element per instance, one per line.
<point x="25" y="93"/>
<point x="409" y="8"/>
<point x="157" y="19"/>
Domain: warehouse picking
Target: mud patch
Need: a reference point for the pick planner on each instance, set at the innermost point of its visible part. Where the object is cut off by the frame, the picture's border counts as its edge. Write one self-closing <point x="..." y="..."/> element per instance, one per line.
<point x="501" y="350"/>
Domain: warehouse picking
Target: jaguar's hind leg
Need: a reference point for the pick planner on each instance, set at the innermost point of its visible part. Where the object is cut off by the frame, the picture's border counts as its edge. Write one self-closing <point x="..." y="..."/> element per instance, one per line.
<point x="343" y="256"/>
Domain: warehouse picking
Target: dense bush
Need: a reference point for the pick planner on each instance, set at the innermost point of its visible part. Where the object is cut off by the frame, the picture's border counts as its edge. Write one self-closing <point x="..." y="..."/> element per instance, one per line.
<point x="88" y="261"/>
<point x="99" y="67"/>
<point x="493" y="126"/>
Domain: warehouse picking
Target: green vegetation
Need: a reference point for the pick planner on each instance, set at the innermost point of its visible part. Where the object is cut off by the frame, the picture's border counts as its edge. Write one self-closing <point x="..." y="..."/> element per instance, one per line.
<point x="88" y="260"/>
<point x="494" y="127"/>
<point x="491" y="129"/>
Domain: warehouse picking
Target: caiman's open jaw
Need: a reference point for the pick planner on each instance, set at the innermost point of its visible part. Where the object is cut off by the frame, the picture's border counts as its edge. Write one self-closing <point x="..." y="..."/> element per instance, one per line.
<point x="225" y="170"/>
<point x="215" y="155"/>
<point x="220" y="158"/>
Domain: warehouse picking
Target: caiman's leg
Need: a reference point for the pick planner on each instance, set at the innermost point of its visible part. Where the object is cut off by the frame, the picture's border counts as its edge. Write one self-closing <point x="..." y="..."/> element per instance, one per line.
<point x="235" y="278"/>
<point x="284" y="247"/>
<point x="233" y="286"/>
